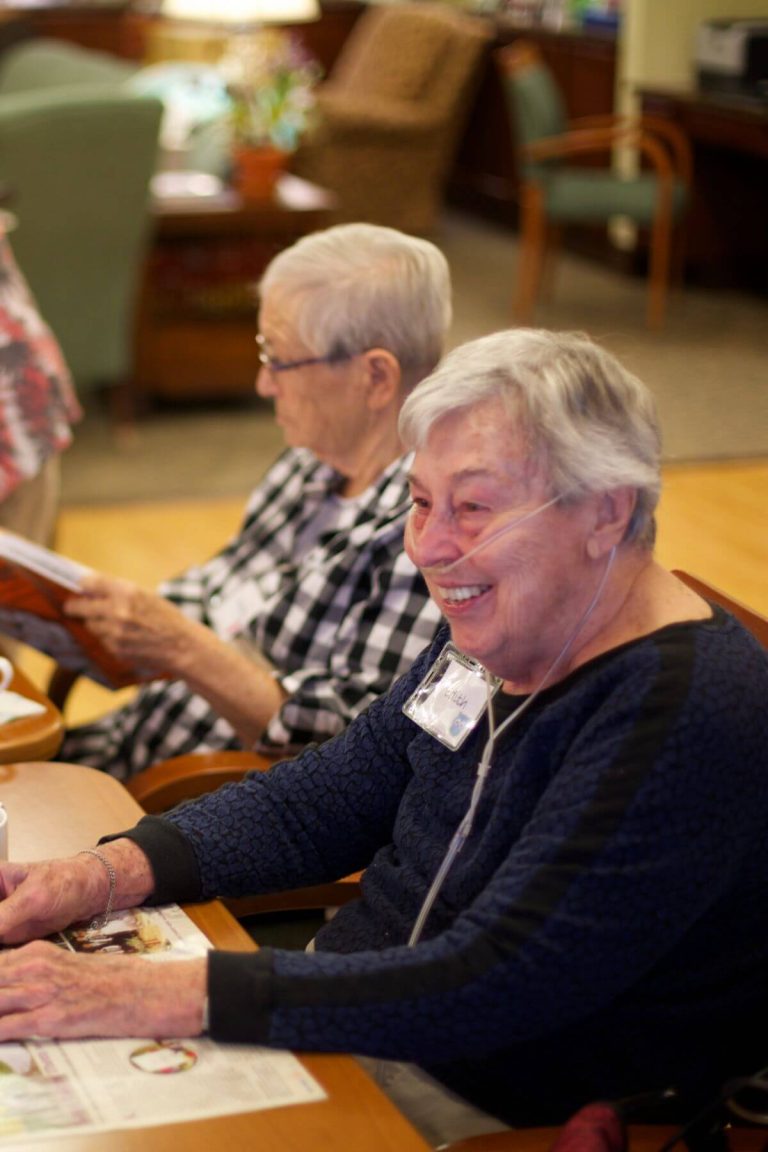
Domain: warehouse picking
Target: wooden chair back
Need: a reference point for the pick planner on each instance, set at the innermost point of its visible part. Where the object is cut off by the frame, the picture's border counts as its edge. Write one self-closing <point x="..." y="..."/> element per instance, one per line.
<point x="754" y="621"/>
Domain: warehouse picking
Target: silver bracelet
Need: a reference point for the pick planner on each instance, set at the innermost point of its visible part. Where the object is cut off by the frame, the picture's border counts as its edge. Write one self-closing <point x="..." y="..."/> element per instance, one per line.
<point x="100" y="921"/>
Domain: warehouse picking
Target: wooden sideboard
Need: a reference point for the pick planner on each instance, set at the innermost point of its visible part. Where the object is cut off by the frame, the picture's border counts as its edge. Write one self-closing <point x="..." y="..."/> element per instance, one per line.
<point x="727" y="230"/>
<point x="98" y="27"/>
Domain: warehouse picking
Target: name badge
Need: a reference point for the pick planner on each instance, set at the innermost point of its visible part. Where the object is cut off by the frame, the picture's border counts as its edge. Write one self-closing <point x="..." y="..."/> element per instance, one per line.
<point x="452" y="698"/>
<point x="231" y="614"/>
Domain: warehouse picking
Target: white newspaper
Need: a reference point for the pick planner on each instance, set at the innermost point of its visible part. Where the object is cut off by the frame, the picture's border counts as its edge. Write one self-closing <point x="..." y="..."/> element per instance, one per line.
<point x="52" y="1088"/>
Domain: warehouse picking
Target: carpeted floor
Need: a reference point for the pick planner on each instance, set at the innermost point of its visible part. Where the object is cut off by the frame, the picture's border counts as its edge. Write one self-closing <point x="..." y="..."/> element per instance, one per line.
<point x="708" y="369"/>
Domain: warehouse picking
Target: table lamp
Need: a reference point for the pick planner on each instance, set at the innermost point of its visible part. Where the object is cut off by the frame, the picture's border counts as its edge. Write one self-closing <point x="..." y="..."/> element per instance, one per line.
<point x="242" y="12"/>
<point x="268" y="78"/>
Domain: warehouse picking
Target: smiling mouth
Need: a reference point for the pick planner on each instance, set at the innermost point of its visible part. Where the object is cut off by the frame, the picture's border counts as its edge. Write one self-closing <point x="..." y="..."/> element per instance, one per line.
<point x="461" y="595"/>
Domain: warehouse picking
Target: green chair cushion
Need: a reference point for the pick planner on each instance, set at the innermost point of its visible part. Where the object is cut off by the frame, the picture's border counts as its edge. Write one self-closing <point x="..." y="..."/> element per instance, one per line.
<point x="585" y="194"/>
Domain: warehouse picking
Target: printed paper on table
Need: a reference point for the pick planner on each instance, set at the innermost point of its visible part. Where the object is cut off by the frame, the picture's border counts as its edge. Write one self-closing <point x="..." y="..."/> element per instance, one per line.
<point x="51" y="1089"/>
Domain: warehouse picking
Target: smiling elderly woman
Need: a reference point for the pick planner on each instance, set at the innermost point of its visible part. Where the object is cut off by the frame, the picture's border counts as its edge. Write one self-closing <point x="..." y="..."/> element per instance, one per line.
<point x="591" y="735"/>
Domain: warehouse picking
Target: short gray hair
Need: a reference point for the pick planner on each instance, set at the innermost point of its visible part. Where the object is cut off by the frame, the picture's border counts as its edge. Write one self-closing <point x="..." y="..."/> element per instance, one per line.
<point x="588" y="421"/>
<point x="359" y="286"/>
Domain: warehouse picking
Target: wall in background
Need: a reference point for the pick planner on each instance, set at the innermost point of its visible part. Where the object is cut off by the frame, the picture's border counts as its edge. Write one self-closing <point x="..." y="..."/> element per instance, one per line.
<point x="657" y="42"/>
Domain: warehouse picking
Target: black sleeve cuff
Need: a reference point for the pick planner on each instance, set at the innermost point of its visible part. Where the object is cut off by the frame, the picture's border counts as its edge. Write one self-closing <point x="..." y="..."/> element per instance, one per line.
<point x="174" y="865"/>
<point x="239" y="995"/>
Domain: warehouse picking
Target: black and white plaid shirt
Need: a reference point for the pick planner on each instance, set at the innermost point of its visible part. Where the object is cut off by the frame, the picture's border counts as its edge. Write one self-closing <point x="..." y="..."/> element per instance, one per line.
<point x="320" y="586"/>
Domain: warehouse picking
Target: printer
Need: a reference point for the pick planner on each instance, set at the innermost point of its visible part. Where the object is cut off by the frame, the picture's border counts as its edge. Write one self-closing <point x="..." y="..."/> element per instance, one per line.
<point x="732" y="57"/>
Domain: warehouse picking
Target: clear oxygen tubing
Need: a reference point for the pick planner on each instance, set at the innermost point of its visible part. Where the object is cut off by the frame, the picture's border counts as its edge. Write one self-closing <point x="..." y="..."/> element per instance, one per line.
<point x="461" y="834"/>
<point x="443" y="569"/>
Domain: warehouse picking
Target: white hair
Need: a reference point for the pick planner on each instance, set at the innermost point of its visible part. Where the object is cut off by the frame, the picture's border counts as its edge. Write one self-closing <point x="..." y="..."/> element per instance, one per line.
<point x="587" y="420"/>
<point x="359" y="286"/>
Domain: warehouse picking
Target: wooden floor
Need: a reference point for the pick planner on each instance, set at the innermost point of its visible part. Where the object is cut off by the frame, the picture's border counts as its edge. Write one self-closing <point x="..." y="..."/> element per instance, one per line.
<point x="713" y="521"/>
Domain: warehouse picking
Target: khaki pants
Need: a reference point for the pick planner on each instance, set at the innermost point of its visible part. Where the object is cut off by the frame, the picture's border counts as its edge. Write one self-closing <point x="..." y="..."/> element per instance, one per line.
<point x="434" y="1111"/>
<point x="31" y="508"/>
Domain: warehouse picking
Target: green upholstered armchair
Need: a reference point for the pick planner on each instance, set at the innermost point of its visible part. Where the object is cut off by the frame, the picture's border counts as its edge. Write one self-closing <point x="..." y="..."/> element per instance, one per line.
<point x="78" y="162"/>
<point x="391" y="113"/>
<point x="556" y="190"/>
<point x="40" y="62"/>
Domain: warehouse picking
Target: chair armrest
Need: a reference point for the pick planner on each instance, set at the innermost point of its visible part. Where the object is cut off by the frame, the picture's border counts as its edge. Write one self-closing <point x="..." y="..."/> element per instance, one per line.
<point x="676" y="140"/>
<point x="396" y="119"/>
<point x="581" y="141"/>
<point x="184" y="777"/>
<point x="671" y="134"/>
<point x="330" y="895"/>
<point x="595" y="140"/>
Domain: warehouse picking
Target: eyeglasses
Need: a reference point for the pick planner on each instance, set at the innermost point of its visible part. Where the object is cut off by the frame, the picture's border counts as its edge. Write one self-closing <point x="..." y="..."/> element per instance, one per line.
<point x="272" y="364"/>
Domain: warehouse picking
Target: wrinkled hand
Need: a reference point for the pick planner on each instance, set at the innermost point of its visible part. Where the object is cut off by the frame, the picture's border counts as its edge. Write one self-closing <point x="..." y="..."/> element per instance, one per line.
<point x="38" y="899"/>
<point x="140" y="627"/>
<point x="47" y="991"/>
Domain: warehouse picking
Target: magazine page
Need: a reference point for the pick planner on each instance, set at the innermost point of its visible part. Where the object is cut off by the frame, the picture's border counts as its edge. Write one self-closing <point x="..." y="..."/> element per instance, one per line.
<point x="34" y="584"/>
<point x="51" y="1088"/>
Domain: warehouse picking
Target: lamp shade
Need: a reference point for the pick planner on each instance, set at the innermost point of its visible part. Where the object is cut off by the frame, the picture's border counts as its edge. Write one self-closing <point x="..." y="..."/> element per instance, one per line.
<point x="242" y="11"/>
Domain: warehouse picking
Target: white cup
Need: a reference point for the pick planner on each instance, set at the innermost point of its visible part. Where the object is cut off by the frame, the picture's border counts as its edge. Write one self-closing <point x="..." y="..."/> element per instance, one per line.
<point x="3" y="833"/>
<point x="6" y="673"/>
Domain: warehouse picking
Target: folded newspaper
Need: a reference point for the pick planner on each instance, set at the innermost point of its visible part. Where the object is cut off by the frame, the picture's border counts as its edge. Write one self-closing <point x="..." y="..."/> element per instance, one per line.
<point x="51" y="1089"/>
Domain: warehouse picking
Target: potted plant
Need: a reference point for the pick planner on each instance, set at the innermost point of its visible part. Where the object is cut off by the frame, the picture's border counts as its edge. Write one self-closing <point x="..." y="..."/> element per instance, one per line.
<point x="270" y="84"/>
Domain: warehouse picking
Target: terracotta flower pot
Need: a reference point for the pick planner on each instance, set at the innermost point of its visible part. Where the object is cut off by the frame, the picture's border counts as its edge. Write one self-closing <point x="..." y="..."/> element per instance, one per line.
<point x="257" y="170"/>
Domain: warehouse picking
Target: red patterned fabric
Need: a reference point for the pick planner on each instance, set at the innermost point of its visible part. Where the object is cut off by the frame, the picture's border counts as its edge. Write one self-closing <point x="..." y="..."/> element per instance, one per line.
<point x="37" y="400"/>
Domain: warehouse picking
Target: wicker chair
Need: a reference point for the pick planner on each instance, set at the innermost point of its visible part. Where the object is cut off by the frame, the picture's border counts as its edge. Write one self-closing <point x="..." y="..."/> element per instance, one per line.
<point x="392" y="111"/>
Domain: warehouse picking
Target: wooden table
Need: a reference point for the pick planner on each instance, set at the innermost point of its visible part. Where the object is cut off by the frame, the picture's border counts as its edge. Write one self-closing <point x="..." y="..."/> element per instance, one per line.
<point x="197" y="316"/>
<point x="31" y="737"/>
<point x="55" y="809"/>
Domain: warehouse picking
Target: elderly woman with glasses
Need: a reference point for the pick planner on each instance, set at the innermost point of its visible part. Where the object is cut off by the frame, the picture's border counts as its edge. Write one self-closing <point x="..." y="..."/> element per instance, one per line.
<point x="561" y="808"/>
<point x="312" y="610"/>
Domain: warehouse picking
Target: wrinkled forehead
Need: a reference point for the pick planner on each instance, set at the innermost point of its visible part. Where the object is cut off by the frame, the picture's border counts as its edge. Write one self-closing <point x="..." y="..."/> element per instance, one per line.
<point x="484" y="442"/>
<point x="278" y="317"/>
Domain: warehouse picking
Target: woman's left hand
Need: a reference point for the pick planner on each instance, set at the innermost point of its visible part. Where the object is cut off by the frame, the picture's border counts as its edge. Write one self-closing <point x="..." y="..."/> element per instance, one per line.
<point x="48" y="992"/>
<point x="140" y="627"/>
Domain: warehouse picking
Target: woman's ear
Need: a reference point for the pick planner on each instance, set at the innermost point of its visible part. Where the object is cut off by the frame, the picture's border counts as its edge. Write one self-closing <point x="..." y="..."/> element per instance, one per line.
<point x="614" y="511"/>
<point x="384" y="378"/>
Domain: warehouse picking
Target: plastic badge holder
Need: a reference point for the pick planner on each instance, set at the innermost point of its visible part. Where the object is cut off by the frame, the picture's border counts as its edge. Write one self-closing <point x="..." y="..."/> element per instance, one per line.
<point x="452" y="697"/>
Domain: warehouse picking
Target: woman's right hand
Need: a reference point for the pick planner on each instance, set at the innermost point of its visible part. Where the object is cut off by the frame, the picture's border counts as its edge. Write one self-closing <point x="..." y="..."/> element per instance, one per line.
<point x="43" y="897"/>
<point x="40" y="898"/>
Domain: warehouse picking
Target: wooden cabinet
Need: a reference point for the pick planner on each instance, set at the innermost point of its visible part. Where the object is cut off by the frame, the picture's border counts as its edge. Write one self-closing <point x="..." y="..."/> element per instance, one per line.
<point x="726" y="230"/>
<point x="100" y="28"/>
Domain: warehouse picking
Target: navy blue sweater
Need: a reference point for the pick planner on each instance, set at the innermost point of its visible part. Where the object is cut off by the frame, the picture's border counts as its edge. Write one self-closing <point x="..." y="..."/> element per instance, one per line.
<point x="604" y="931"/>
